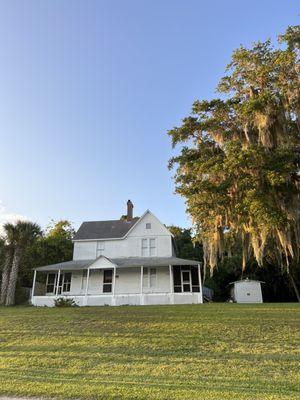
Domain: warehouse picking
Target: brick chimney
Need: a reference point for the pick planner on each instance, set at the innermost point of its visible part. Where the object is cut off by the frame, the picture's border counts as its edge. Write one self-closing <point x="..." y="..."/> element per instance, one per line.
<point x="129" y="210"/>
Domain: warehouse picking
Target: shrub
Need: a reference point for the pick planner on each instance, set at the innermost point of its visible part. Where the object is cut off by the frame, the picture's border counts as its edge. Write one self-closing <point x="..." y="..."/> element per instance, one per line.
<point x="62" y="302"/>
<point x="22" y="295"/>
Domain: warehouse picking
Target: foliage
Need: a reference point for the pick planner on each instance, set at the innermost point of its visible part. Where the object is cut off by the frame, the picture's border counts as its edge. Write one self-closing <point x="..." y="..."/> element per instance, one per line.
<point x="55" y="246"/>
<point x="52" y="247"/>
<point x="239" y="167"/>
<point x="212" y="351"/>
<point x="18" y="237"/>
<point x="22" y="295"/>
<point x="60" y="229"/>
<point x="227" y="271"/>
<point x="2" y="253"/>
<point x="64" y="302"/>
<point x="184" y="245"/>
<point x="275" y="288"/>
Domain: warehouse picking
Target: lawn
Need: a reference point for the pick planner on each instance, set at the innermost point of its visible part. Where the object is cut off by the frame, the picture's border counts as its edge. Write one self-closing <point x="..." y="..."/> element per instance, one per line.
<point x="211" y="352"/>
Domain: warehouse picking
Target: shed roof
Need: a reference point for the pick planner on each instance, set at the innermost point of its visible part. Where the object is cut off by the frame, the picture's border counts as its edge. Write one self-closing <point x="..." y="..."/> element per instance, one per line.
<point x="119" y="262"/>
<point x="245" y="281"/>
<point x="112" y="229"/>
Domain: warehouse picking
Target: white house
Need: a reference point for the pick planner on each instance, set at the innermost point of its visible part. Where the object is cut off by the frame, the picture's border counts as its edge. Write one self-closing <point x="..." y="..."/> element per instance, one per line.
<point x="118" y="262"/>
<point x="247" y="291"/>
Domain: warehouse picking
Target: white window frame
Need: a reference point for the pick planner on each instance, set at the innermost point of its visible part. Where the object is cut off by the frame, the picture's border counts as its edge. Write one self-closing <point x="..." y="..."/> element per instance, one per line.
<point x="155" y="277"/>
<point x="108" y="284"/>
<point x="146" y="250"/>
<point x="144" y="247"/>
<point x="189" y="282"/>
<point x="100" y="248"/>
<point x="55" y="281"/>
<point x="59" y="284"/>
<point x="147" y="277"/>
<point x="83" y="279"/>
<point x="151" y="240"/>
<point x="148" y="225"/>
<point x="63" y="282"/>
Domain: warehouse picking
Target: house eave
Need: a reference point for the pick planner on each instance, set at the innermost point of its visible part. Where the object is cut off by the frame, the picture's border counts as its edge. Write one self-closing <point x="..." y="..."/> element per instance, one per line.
<point x="97" y="239"/>
<point x="122" y="262"/>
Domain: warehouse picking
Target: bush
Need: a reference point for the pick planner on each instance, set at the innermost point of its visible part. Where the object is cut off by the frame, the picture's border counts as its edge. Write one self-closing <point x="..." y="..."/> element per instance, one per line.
<point x="22" y="295"/>
<point x="62" y="302"/>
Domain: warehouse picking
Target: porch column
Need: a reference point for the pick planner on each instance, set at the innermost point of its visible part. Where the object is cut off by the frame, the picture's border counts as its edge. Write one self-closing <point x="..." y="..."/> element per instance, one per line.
<point x="171" y="285"/>
<point x="142" y="278"/>
<point x="113" y="288"/>
<point x="33" y="286"/>
<point x="200" y="285"/>
<point x="57" y="282"/>
<point x="87" y="286"/>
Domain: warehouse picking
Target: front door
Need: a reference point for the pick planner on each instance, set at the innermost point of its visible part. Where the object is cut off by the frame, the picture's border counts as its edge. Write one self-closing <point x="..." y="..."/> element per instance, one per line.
<point x="186" y="280"/>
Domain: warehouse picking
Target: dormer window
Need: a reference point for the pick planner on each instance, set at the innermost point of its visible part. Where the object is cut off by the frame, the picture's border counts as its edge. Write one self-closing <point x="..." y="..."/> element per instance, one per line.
<point x="148" y="225"/>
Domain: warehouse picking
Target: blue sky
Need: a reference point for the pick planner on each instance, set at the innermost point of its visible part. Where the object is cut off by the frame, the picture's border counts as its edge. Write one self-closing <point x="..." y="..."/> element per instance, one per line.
<point x="89" y="89"/>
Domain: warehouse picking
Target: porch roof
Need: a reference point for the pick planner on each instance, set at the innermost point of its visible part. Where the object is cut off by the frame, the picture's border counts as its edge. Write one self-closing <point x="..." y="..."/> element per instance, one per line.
<point x="119" y="263"/>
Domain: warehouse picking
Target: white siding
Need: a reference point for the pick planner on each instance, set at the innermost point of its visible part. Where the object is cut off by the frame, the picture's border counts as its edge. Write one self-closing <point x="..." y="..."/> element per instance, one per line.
<point x="157" y="228"/>
<point x="247" y="292"/>
<point x="131" y="246"/>
<point x="128" y="280"/>
<point x="127" y="288"/>
<point x="84" y="250"/>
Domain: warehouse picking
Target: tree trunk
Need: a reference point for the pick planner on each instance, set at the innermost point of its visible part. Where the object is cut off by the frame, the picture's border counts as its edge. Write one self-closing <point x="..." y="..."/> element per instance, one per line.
<point x="5" y="275"/>
<point x="295" y="287"/>
<point x="13" y="277"/>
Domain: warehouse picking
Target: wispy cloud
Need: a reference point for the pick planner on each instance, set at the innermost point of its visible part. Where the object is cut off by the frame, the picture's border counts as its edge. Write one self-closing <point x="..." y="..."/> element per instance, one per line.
<point x="6" y="216"/>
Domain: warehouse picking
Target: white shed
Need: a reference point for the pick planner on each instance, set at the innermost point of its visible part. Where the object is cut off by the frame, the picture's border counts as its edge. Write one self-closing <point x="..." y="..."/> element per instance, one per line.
<point x="247" y="291"/>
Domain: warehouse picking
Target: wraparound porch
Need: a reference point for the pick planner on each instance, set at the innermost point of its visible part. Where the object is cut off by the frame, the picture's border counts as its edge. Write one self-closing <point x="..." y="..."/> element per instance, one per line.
<point x="135" y="299"/>
<point x="119" y="282"/>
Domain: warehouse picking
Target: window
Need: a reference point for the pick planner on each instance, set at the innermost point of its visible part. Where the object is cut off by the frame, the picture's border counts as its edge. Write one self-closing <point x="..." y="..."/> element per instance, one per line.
<point x="67" y="282"/>
<point x="144" y="247"/>
<point x="152" y="247"/>
<point x="83" y="280"/>
<point x="152" y="277"/>
<point x="148" y="225"/>
<point x="100" y="248"/>
<point x="145" y="277"/>
<point x="149" y="247"/>
<point x="186" y="279"/>
<point x="149" y="275"/>
<point x="50" y="283"/>
<point x="107" y="280"/>
<point x="64" y="284"/>
<point x="177" y="279"/>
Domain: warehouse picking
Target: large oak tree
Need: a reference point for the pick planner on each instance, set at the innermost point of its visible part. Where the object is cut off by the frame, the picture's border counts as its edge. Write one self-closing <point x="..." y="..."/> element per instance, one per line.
<point x="238" y="168"/>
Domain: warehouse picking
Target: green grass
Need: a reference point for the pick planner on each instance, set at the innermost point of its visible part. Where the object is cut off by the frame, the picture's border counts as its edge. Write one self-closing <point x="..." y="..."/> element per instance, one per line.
<point x="211" y="352"/>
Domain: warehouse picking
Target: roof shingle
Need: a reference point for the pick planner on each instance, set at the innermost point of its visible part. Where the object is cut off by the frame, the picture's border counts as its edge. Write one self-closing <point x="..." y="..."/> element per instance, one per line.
<point x="114" y="229"/>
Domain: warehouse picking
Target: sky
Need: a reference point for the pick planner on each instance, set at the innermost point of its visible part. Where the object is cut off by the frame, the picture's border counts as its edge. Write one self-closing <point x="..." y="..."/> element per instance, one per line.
<point x="89" y="90"/>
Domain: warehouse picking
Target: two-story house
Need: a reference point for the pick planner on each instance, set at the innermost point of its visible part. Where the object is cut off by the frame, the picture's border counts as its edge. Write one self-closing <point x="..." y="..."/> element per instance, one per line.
<point x="119" y="262"/>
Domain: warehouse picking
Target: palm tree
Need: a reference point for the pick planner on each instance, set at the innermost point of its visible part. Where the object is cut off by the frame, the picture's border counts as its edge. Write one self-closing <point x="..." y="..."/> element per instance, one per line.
<point x="25" y="233"/>
<point x="9" y="233"/>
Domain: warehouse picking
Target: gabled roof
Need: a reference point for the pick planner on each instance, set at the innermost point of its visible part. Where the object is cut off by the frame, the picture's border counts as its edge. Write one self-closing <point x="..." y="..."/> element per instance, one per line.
<point x="113" y="229"/>
<point x="119" y="263"/>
